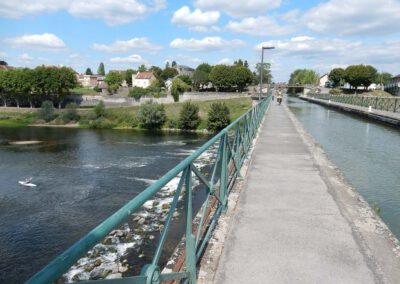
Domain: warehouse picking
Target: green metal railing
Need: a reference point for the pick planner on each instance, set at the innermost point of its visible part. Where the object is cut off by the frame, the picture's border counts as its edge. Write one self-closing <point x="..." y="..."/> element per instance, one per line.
<point x="233" y="144"/>
<point x="379" y="103"/>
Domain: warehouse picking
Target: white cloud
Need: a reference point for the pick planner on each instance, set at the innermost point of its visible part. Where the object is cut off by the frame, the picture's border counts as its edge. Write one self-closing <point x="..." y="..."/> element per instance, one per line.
<point x="356" y="17"/>
<point x="225" y="61"/>
<point x="239" y="8"/>
<point x="25" y="57"/>
<point x="142" y="44"/>
<point x="260" y="26"/>
<point x="42" y="41"/>
<point x="73" y="55"/>
<point x="206" y="44"/>
<point x="134" y="58"/>
<point x="196" y="20"/>
<point x="112" y="12"/>
<point x="3" y="54"/>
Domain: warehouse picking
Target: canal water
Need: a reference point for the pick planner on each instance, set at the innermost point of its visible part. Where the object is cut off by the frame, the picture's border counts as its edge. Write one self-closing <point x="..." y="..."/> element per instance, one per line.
<point x="366" y="152"/>
<point x="82" y="177"/>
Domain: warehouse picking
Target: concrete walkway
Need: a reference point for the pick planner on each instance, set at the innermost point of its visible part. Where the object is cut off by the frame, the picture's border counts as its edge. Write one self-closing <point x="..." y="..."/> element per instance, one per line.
<point x="288" y="228"/>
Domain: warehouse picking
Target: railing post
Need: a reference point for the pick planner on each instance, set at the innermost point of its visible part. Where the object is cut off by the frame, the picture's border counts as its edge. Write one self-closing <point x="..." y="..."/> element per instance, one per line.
<point x="395" y="105"/>
<point x="224" y="173"/>
<point x="190" y="254"/>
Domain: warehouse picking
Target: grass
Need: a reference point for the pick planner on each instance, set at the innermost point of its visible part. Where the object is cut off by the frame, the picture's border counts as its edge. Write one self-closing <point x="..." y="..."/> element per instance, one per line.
<point x="84" y="91"/>
<point x="126" y="117"/>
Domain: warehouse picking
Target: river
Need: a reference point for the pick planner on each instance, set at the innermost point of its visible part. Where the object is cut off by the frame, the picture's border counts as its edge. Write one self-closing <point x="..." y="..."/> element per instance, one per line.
<point x="366" y="152"/>
<point x="82" y="177"/>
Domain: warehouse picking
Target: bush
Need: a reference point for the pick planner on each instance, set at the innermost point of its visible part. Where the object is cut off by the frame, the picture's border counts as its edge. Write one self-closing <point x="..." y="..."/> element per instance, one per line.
<point x="70" y="113"/>
<point x="152" y="115"/>
<point x="172" y="124"/>
<point x="100" y="109"/>
<point x="177" y="88"/>
<point x="218" y="117"/>
<point x="47" y="111"/>
<point x="137" y="92"/>
<point x="101" y="123"/>
<point x="189" y="116"/>
<point x="335" y="92"/>
<point x="97" y="89"/>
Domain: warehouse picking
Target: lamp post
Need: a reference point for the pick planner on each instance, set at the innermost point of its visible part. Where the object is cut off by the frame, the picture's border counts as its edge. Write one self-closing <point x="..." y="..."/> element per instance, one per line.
<point x="262" y="67"/>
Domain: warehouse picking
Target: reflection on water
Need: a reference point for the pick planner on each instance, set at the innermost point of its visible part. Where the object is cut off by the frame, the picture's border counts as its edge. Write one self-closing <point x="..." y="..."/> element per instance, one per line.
<point x="367" y="153"/>
<point x="83" y="176"/>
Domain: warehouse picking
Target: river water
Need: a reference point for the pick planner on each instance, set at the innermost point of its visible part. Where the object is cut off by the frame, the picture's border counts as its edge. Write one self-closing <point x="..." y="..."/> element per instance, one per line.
<point x="83" y="176"/>
<point x="366" y="152"/>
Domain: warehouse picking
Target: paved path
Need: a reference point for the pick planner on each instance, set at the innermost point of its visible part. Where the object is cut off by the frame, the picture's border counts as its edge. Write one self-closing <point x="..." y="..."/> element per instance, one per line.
<point x="287" y="227"/>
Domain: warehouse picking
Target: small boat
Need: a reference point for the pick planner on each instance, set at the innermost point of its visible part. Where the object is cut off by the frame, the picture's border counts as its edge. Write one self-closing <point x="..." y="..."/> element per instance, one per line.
<point x="29" y="184"/>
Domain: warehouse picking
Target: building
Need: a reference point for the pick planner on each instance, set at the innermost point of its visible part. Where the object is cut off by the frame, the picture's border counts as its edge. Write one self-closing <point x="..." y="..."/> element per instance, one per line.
<point x="393" y="86"/>
<point x="143" y="79"/>
<point x="323" y="80"/>
<point x="184" y="70"/>
<point x="168" y="84"/>
<point x="87" y="80"/>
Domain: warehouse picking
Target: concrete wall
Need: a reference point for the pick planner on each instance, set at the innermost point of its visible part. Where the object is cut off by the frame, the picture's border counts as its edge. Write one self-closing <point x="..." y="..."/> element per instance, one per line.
<point x="120" y="100"/>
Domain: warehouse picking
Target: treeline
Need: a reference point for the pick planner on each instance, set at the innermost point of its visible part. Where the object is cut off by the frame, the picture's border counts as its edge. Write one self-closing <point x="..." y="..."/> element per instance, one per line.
<point x="31" y="87"/>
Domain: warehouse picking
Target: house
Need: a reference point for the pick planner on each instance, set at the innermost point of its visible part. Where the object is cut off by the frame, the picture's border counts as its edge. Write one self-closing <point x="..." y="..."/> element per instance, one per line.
<point x="184" y="70"/>
<point x="143" y="79"/>
<point x="168" y="84"/>
<point x="393" y="86"/>
<point x="323" y="80"/>
<point x="87" y="80"/>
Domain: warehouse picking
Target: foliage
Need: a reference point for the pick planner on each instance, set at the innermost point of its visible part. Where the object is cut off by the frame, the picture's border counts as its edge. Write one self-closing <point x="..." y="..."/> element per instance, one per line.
<point x="177" y="88"/>
<point x="156" y="71"/>
<point x="101" y="70"/>
<point x="360" y="75"/>
<point x="97" y="89"/>
<point x="189" y="116"/>
<point x="152" y="115"/>
<point x="173" y="64"/>
<point x="114" y="81"/>
<point x="88" y="71"/>
<point x="335" y="91"/>
<point x="168" y="73"/>
<point x="336" y="76"/>
<point x="218" y="117"/>
<point x="70" y="113"/>
<point x="100" y="109"/>
<point x="142" y="68"/>
<point x="186" y="79"/>
<point x="304" y="77"/>
<point x="201" y="75"/>
<point x="228" y="77"/>
<point x="128" y="76"/>
<point x="220" y="76"/>
<point x="241" y="77"/>
<point x="138" y="92"/>
<point x="47" y="111"/>
<point x="383" y="78"/>
<point x="266" y="73"/>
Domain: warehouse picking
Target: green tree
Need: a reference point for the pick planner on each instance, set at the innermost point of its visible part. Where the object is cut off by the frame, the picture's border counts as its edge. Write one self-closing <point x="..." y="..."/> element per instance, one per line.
<point x="241" y="76"/>
<point x="186" y="79"/>
<point x="360" y="75"/>
<point x="336" y="76"/>
<point x="201" y="75"/>
<point x="101" y="70"/>
<point x="88" y="71"/>
<point x="152" y="115"/>
<point x="128" y="76"/>
<point x="156" y="70"/>
<point x="142" y="68"/>
<point x="238" y="62"/>
<point x="177" y="88"/>
<point x="114" y="81"/>
<point x="304" y="77"/>
<point x="246" y="64"/>
<point x="138" y="92"/>
<point x="221" y="76"/>
<point x="173" y="64"/>
<point x="167" y="65"/>
<point x="3" y="87"/>
<point x="168" y="73"/>
<point x="100" y="109"/>
<point x="70" y="113"/>
<point x="47" y="111"/>
<point x="383" y="78"/>
<point x="189" y="116"/>
<point x="218" y="117"/>
<point x="266" y="72"/>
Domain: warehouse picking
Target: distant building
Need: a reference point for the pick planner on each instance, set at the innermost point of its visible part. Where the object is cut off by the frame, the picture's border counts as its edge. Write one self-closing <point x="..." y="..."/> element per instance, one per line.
<point x="184" y="70"/>
<point x="323" y="80"/>
<point x="168" y="84"/>
<point x="5" y="66"/>
<point x="87" y="80"/>
<point x="143" y="79"/>
<point x="393" y="86"/>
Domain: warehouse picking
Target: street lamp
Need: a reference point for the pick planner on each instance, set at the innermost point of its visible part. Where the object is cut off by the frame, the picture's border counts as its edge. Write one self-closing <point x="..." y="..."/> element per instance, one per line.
<point x="262" y="66"/>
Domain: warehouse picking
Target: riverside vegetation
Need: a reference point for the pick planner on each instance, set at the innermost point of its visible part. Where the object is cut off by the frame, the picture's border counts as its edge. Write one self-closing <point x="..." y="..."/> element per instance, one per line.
<point x="210" y="115"/>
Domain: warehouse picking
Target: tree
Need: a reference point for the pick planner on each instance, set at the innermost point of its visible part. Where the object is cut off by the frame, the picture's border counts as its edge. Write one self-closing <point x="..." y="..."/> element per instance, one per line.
<point x="336" y="76"/>
<point x="142" y="68"/>
<point x="100" y="109"/>
<point x="220" y="76"/>
<point x="167" y="65"/>
<point x="189" y="116"/>
<point x="241" y="76"/>
<point x="156" y="70"/>
<point x="246" y="64"/>
<point x="218" y="117"/>
<point x="304" y="77"/>
<point x="152" y="115"/>
<point x="19" y="85"/>
<point x="65" y="80"/>
<point x="88" y="71"/>
<point x="101" y="70"/>
<point x="266" y="72"/>
<point x="3" y="63"/>
<point x="173" y="64"/>
<point x="383" y="78"/>
<point x="186" y="79"/>
<point x="70" y="113"/>
<point x="128" y="76"/>
<point x="114" y="81"/>
<point x="177" y="88"/>
<point x="47" y="111"/>
<point x="238" y="62"/>
<point x="200" y="75"/>
<point x="168" y="73"/>
<point x="360" y="75"/>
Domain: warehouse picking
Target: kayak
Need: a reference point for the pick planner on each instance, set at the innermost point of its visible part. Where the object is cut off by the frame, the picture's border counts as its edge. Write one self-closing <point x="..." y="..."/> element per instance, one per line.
<point x="27" y="184"/>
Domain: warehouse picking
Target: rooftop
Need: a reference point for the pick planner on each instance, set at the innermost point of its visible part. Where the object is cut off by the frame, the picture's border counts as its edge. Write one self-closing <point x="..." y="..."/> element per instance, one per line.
<point x="144" y="75"/>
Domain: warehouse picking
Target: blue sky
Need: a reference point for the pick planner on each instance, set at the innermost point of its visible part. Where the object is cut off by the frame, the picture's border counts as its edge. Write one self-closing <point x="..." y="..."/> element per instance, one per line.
<point x="126" y="33"/>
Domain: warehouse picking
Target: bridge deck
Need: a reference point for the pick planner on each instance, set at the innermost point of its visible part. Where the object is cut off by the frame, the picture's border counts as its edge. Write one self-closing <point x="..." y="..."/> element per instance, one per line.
<point x="288" y="227"/>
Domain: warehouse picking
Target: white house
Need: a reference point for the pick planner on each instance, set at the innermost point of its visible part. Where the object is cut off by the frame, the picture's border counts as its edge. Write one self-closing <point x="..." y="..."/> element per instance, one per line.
<point x="143" y="79"/>
<point x="323" y="79"/>
<point x="168" y="84"/>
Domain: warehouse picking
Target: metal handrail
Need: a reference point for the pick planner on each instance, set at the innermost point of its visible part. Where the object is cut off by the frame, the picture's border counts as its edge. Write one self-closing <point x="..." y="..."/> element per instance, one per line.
<point x="380" y="103"/>
<point x="234" y="143"/>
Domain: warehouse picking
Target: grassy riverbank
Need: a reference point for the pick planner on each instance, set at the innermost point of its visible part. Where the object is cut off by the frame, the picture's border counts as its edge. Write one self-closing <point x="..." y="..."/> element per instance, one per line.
<point x="119" y="118"/>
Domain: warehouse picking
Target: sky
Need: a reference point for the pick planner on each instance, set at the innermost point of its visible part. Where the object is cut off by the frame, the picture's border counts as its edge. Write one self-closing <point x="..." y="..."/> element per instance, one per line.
<point x="319" y="35"/>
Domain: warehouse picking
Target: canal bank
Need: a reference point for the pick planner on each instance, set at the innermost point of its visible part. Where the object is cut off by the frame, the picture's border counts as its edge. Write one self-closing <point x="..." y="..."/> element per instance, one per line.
<point x="298" y="220"/>
<point x="387" y="117"/>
